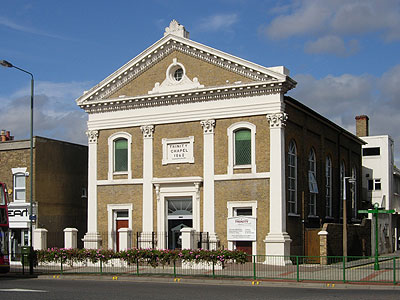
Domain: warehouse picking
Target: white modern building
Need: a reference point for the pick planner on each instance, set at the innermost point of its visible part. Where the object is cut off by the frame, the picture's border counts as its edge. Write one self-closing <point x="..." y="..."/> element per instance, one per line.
<point x="381" y="183"/>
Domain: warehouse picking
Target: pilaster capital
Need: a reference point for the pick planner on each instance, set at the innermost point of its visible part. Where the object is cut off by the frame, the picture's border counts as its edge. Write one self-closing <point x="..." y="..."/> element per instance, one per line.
<point x="277" y="120"/>
<point x="92" y="136"/>
<point x="147" y="131"/>
<point x="208" y="126"/>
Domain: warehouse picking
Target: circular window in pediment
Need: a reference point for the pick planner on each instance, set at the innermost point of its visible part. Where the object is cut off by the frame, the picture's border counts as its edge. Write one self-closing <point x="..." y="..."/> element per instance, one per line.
<point x="178" y="74"/>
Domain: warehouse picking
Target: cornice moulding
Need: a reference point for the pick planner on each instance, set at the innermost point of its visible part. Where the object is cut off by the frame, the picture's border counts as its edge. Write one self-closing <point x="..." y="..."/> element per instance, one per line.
<point x="240" y="107"/>
<point x="200" y="95"/>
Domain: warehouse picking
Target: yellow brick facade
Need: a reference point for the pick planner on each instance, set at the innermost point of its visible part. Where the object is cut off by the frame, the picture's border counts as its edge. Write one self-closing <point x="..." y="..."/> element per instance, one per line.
<point x="207" y="74"/>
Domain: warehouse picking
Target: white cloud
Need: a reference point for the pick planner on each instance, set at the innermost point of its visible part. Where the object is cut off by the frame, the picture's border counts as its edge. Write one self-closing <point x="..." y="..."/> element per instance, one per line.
<point x="306" y="19"/>
<point x="339" y="18"/>
<point x="5" y="22"/>
<point x="55" y="113"/>
<point x="218" y="22"/>
<point x="341" y="98"/>
<point x="332" y="45"/>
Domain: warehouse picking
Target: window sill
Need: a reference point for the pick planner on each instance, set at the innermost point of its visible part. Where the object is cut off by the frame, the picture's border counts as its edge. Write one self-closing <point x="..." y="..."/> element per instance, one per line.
<point x="312" y="217"/>
<point x="242" y="167"/>
<point x="293" y="215"/>
<point x="329" y="218"/>
<point x="121" y="173"/>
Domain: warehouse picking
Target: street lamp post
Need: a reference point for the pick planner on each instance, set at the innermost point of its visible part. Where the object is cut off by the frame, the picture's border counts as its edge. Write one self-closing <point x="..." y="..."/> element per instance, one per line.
<point x="351" y="180"/>
<point x="7" y="64"/>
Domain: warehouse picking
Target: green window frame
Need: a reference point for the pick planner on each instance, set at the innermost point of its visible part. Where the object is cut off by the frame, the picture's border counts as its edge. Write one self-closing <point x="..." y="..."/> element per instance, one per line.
<point x="121" y="155"/>
<point x="242" y="147"/>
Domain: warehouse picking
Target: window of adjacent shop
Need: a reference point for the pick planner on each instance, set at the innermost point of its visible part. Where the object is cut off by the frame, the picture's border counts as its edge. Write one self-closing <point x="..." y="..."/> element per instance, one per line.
<point x="292" y="178"/>
<point x="19" y="184"/>
<point x="312" y="183"/>
<point x="241" y="146"/>
<point x="119" y="154"/>
<point x="328" y="186"/>
<point x="372" y="151"/>
<point x="374" y="184"/>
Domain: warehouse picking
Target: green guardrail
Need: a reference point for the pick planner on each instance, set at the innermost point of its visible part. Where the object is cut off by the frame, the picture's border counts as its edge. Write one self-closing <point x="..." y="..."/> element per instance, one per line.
<point x="259" y="267"/>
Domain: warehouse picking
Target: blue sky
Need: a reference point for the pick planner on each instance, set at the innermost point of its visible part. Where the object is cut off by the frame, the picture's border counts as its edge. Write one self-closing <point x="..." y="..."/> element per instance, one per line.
<point x="344" y="54"/>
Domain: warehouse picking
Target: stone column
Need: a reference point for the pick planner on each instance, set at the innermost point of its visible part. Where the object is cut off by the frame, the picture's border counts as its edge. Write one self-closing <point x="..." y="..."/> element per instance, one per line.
<point x="147" y="223"/>
<point x="323" y="247"/>
<point x="208" y="180"/>
<point x="70" y="238"/>
<point x="277" y="241"/>
<point x="125" y="239"/>
<point x="40" y="239"/>
<point x="92" y="239"/>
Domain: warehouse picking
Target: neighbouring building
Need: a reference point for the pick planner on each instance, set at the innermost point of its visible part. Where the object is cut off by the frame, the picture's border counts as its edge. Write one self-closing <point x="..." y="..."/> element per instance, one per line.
<point x="59" y="188"/>
<point x="185" y="135"/>
<point x="380" y="184"/>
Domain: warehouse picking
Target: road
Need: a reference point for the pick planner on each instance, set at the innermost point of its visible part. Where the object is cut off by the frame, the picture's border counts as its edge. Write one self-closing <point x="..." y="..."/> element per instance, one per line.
<point x="58" y="289"/>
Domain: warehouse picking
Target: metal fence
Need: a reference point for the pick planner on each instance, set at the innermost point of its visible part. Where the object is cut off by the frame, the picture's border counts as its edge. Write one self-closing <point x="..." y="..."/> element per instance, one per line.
<point x="259" y="267"/>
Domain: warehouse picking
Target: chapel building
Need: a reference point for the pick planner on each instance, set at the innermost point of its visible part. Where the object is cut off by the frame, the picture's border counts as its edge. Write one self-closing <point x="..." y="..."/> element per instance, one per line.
<point x="187" y="136"/>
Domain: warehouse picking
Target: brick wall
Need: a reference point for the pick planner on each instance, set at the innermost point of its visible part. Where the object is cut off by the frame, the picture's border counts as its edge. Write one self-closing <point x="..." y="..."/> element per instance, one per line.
<point x="207" y="74"/>
<point x="244" y="190"/>
<point x="358" y="239"/>
<point x="311" y="131"/>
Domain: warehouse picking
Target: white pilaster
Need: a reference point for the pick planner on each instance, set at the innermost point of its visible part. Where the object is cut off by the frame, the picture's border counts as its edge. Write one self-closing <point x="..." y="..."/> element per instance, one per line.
<point x="147" y="225"/>
<point x="208" y="179"/>
<point x="277" y="242"/>
<point x="92" y="239"/>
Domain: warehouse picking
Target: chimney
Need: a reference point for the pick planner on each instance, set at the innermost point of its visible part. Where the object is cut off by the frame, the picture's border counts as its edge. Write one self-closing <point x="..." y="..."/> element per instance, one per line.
<point x="5" y="136"/>
<point x="362" y="126"/>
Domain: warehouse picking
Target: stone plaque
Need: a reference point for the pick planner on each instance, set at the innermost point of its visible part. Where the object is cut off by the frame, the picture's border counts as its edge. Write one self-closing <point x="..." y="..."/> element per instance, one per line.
<point x="179" y="150"/>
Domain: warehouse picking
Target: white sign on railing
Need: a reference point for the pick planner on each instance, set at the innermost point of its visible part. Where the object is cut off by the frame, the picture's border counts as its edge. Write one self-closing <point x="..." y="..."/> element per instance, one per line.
<point x="242" y="229"/>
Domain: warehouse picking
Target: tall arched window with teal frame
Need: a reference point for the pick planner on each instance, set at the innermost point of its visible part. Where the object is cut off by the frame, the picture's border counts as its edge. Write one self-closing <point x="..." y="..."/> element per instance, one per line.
<point x="242" y="147"/>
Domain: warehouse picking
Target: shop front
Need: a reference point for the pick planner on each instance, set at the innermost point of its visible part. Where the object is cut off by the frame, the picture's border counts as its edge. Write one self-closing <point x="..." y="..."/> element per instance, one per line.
<point x="18" y="214"/>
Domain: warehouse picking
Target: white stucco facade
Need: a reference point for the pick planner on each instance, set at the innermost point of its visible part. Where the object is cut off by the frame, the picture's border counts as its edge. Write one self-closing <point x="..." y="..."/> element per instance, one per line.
<point x="379" y="177"/>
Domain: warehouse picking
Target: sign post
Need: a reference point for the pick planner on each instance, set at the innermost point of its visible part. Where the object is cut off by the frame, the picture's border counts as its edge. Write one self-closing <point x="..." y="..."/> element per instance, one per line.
<point x="375" y="212"/>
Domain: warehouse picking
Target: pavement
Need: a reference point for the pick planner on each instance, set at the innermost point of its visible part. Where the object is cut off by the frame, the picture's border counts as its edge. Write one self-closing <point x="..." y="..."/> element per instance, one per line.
<point x="210" y="281"/>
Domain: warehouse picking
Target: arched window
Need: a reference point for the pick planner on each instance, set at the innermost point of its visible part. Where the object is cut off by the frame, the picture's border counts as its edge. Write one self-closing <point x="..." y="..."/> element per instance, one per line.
<point x="19" y="184"/>
<point x="120" y="155"/>
<point x="242" y="147"/>
<point x="328" y="186"/>
<point x="292" y="178"/>
<point x="354" y="192"/>
<point x="342" y="175"/>
<point x="312" y="183"/>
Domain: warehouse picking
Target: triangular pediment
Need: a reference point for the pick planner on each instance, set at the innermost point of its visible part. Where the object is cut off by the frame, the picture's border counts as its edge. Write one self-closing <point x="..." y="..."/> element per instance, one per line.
<point x="204" y="68"/>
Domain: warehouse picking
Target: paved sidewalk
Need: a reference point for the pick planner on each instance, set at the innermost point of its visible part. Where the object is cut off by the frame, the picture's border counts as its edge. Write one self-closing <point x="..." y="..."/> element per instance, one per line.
<point x="208" y="281"/>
